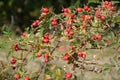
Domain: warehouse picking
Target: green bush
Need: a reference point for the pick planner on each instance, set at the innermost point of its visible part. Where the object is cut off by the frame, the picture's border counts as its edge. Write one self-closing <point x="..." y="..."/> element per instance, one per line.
<point x="60" y="43"/>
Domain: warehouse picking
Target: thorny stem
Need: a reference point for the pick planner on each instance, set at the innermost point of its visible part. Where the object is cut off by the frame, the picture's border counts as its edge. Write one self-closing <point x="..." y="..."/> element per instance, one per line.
<point x="44" y="65"/>
<point x="41" y="69"/>
<point x="111" y="30"/>
<point x="2" y="65"/>
<point x="23" y="59"/>
<point x="55" y="48"/>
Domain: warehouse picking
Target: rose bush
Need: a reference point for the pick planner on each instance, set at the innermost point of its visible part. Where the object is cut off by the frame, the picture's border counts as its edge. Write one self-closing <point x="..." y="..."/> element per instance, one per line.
<point x="65" y="38"/>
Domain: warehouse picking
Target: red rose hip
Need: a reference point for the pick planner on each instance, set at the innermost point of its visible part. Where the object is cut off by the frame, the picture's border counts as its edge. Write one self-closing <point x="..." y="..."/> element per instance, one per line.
<point x="26" y="78"/>
<point x="66" y="57"/>
<point x="79" y="9"/>
<point x="68" y="75"/>
<point x="45" y="10"/>
<point x="17" y="76"/>
<point x="13" y="61"/>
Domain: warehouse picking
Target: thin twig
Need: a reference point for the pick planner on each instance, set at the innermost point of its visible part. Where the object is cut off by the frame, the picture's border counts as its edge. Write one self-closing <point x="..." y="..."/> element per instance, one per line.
<point x="55" y="48"/>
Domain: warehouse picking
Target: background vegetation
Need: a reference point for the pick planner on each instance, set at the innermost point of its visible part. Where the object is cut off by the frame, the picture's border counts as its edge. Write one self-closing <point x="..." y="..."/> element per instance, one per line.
<point x="19" y="14"/>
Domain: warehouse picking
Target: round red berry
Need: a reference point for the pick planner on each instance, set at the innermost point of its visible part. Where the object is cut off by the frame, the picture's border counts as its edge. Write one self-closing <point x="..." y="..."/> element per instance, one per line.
<point x="16" y="47"/>
<point x="17" y="76"/>
<point x="110" y="4"/>
<point x="79" y="9"/>
<point x="89" y="9"/>
<point x="46" y="36"/>
<point x="102" y="17"/>
<point x="89" y="17"/>
<point x="66" y="57"/>
<point x="68" y="75"/>
<point x="66" y="10"/>
<point x="45" y="10"/>
<point x="112" y="8"/>
<point x="105" y="26"/>
<point x="46" y="40"/>
<point x="24" y="34"/>
<point x="72" y="16"/>
<point x="104" y="6"/>
<point x="93" y="37"/>
<point x="26" y="78"/>
<point x="99" y="37"/>
<point x="83" y="16"/>
<point x="82" y="54"/>
<point x="54" y="23"/>
<point x="37" y="22"/>
<point x="34" y="24"/>
<point x="46" y="56"/>
<point x="86" y="8"/>
<point x="13" y="61"/>
<point x="106" y="2"/>
<point x="54" y="19"/>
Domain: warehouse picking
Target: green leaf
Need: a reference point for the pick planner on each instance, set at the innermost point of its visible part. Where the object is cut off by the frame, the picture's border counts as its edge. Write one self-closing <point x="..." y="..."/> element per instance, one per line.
<point x="7" y="32"/>
<point x="118" y="71"/>
<point x="107" y="65"/>
<point x="58" y="72"/>
<point x="117" y="20"/>
<point x="113" y="78"/>
<point x="3" y="45"/>
<point x="21" y="71"/>
<point x="112" y="36"/>
<point x="107" y="70"/>
<point x="41" y="32"/>
<point x="32" y="57"/>
<point x="118" y="40"/>
<point x="1" y="3"/>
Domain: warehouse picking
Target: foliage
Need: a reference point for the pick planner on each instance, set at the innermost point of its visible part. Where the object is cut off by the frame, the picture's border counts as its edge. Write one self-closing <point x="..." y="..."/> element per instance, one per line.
<point x="60" y="43"/>
<point x="23" y="12"/>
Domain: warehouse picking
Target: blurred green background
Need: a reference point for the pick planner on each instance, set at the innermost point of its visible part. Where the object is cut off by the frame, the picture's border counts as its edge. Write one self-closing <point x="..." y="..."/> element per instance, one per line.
<point x="18" y="14"/>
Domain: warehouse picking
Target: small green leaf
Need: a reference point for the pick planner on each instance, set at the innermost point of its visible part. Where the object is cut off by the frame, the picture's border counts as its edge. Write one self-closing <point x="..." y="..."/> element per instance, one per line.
<point x="107" y="70"/>
<point x="112" y="36"/>
<point x="58" y="72"/>
<point x="41" y="32"/>
<point x="113" y="78"/>
<point x="118" y="40"/>
<point x="118" y="71"/>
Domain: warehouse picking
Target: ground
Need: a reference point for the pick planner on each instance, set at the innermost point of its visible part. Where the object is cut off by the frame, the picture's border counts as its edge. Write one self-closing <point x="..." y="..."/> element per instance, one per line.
<point x="100" y="72"/>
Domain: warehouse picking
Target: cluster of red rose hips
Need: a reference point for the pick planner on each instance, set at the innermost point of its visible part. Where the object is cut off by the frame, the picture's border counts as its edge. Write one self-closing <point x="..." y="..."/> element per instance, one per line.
<point x="69" y="32"/>
<point x="66" y="11"/>
<point x="97" y="37"/>
<point x="54" y="22"/>
<point x="17" y="77"/>
<point x="46" y="56"/>
<point x="16" y="47"/>
<point x="36" y="23"/>
<point x="108" y="5"/>
<point x="46" y="38"/>
<point x="45" y="11"/>
<point x="81" y="54"/>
